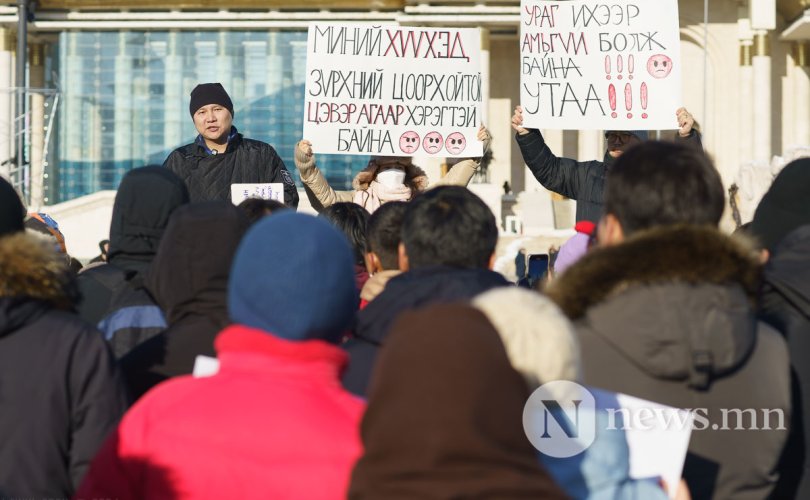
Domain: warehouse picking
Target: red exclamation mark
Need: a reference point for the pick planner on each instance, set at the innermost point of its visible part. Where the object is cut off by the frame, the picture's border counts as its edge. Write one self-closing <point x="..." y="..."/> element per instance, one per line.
<point x="644" y="99"/>
<point x="607" y="66"/>
<point x="612" y="99"/>
<point x="628" y="100"/>
<point x="631" y="65"/>
<point x="619" y="66"/>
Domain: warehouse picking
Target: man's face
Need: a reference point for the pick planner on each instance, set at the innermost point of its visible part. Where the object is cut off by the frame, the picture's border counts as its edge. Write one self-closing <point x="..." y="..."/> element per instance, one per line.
<point x="213" y="122"/>
<point x="618" y="142"/>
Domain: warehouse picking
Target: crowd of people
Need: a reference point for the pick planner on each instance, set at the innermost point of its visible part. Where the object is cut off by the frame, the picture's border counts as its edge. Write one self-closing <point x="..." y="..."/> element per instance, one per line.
<point x="371" y="352"/>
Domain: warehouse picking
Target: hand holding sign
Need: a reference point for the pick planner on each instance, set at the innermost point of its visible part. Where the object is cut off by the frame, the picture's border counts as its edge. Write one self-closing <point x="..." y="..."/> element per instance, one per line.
<point x="685" y="122"/>
<point x="517" y="121"/>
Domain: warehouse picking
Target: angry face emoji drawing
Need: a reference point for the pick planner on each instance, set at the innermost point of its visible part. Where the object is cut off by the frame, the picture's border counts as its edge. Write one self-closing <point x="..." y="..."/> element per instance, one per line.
<point x="409" y="142"/>
<point x="659" y="66"/>
<point x="456" y="142"/>
<point x="432" y="142"/>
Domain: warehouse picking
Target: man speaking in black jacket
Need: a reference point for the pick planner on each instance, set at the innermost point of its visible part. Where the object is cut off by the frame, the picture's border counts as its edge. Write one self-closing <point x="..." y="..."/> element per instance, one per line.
<point x="220" y="156"/>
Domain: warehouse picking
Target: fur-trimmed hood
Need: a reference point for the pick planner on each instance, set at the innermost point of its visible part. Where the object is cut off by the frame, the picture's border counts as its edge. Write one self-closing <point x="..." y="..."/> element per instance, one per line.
<point x="675" y="301"/>
<point x="31" y="270"/>
<point x="412" y="173"/>
<point x="679" y="254"/>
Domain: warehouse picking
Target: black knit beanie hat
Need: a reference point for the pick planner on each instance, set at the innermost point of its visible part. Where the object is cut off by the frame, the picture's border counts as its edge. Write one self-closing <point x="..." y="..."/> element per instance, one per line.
<point x="786" y="205"/>
<point x="12" y="212"/>
<point x="209" y="93"/>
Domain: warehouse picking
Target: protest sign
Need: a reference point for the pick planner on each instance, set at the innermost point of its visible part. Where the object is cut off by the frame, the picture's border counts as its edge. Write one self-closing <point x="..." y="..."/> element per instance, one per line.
<point x="393" y="90"/>
<point x="591" y="65"/>
<point x="657" y="435"/>
<point x="265" y="191"/>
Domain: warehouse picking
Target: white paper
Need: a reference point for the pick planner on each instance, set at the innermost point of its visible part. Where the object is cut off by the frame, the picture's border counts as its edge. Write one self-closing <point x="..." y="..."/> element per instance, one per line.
<point x="657" y="436"/>
<point x="266" y="191"/>
<point x="205" y="366"/>
<point x="607" y="66"/>
<point x="393" y="90"/>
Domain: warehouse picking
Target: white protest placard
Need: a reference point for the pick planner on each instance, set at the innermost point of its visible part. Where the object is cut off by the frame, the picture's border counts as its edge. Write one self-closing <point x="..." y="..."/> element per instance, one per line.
<point x="205" y="366"/>
<point x="393" y="90"/>
<point x="657" y="435"/>
<point x="265" y="191"/>
<point x="586" y="64"/>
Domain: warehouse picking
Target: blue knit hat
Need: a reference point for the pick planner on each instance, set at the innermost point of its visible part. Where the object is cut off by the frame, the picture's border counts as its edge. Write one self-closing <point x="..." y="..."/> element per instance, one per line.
<point x="293" y="277"/>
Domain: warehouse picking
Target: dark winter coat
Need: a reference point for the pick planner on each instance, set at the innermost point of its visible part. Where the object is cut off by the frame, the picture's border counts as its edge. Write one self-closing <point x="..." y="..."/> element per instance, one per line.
<point x="785" y="305"/>
<point x="60" y="391"/>
<point x="113" y="295"/>
<point x="583" y="181"/>
<point x="409" y="290"/>
<point x="209" y="177"/>
<point x="666" y="316"/>
<point x="188" y="280"/>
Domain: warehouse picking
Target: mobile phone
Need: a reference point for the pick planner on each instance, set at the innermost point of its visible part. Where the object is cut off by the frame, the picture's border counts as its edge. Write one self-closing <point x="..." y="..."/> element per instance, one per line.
<point x="538" y="267"/>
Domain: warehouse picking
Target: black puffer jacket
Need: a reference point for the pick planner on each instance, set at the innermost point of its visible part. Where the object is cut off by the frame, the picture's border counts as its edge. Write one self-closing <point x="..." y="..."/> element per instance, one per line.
<point x="785" y="305"/>
<point x="409" y="290"/>
<point x="146" y="198"/>
<point x="188" y="280"/>
<point x="583" y="181"/>
<point x="60" y="391"/>
<point x="209" y="177"/>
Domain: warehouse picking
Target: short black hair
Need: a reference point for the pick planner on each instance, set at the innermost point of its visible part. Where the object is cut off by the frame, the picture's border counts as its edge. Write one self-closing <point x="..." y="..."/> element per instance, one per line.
<point x="663" y="183"/>
<point x="383" y="233"/>
<point x="449" y="226"/>
<point x="256" y="208"/>
<point x="351" y="219"/>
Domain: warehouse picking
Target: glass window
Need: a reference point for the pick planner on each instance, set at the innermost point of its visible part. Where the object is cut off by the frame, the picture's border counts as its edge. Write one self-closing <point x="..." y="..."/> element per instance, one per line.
<point x="124" y="100"/>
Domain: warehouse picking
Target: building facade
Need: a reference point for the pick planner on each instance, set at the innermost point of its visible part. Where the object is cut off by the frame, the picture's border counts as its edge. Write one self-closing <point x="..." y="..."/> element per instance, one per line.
<point x="108" y="80"/>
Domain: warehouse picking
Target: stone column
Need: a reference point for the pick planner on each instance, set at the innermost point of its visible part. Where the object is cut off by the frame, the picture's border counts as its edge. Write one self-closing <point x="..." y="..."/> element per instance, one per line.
<point x="589" y="145"/>
<point x="485" y="76"/>
<point x="124" y="110"/>
<point x="801" y="94"/>
<point x="7" y="46"/>
<point x="761" y="63"/>
<point x="175" y="104"/>
<point x="36" y="78"/>
<point x="745" y="131"/>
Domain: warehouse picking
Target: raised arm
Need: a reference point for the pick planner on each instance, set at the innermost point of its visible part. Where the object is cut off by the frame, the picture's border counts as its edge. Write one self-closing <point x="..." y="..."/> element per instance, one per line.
<point x="314" y="181"/>
<point x="463" y="171"/>
<point x="688" y="129"/>
<point x="561" y="175"/>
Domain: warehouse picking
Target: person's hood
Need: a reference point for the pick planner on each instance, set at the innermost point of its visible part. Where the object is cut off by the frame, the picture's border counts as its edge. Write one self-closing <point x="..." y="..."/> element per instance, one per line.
<point x="189" y="274"/>
<point x="677" y="302"/>
<point x="788" y="273"/>
<point x="33" y="279"/>
<point x="412" y="173"/>
<point x="441" y="365"/>
<point x="146" y="198"/>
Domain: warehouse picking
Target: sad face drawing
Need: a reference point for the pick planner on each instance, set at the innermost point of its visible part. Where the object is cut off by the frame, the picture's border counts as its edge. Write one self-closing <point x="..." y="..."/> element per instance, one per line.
<point x="659" y="66"/>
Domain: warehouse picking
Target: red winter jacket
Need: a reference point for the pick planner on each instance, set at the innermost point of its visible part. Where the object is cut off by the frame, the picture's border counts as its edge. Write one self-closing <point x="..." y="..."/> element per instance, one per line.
<point x="273" y="423"/>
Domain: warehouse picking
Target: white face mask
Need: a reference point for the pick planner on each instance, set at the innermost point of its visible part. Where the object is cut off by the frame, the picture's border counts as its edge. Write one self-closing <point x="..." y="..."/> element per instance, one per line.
<point x="391" y="178"/>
